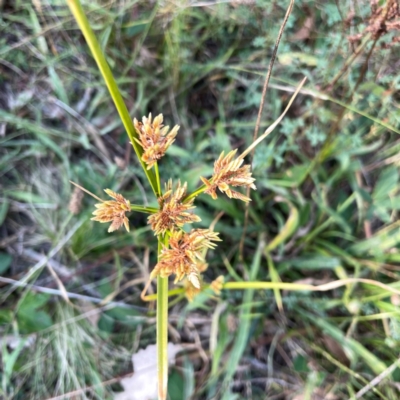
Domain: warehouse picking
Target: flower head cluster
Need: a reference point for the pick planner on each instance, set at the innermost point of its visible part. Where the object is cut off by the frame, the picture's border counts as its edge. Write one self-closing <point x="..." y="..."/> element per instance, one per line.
<point x="154" y="138"/>
<point x="184" y="256"/>
<point x="229" y="172"/>
<point x="174" y="212"/>
<point x="113" y="211"/>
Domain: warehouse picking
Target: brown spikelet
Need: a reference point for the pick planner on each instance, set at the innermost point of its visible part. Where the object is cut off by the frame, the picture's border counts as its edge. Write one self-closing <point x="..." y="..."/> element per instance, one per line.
<point x="184" y="257"/>
<point x="229" y="172"/>
<point x="190" y="291"/>
<point x="154" y="138"/>
<point x="202" y="266"/>
<point x="216" y="285"/>
<point x="173" y="211"/>
<point x="113" y="211"/>
<point x="75" y="203"/>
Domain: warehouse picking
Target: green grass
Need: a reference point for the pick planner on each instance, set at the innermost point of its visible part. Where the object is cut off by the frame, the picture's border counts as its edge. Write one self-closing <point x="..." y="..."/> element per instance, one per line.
<point x="326" y="204"/>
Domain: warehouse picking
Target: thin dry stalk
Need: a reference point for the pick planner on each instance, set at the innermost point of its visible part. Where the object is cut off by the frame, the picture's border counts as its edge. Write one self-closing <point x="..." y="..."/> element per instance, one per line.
<point x="377" y="379"/>
<point x="260" y="110"/>
<point x="90" y="389"/>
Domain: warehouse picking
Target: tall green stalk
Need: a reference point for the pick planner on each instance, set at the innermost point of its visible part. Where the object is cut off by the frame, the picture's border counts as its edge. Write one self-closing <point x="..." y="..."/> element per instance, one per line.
<point x="162" y="330"/>
<point x="153" y="178"/>
<point x="80" y="17"/>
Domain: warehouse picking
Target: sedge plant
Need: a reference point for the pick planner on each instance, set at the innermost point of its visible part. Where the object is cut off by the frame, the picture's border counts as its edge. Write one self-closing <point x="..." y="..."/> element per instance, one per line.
<point x="180" y="252"/>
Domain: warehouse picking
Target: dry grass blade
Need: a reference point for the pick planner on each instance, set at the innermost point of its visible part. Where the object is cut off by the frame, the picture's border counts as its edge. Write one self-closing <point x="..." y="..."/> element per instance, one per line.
<point x="269" y="72"/>
<point x="275" y="124"/>
<point x="87" y="191"/>
<point x="74" y="394"/>
<point x="260" y="110"/>
<point x="377" y="379"/>
<point x="60" y="285"/>
<point x="57" y="292"/>
<point x="115" y="293"/>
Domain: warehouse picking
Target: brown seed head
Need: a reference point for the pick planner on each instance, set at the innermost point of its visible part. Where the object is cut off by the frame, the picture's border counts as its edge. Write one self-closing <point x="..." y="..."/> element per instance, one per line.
<point x="184" y="255"/>
<point x="216" y="285"/>
<point x="154" y="138"/>
<point x="173" y="211"/>
<point x="75" y="203"/>
<point x="190" y="291"/>
<point x="113" y="211"/>
<point x="229" y="172"/>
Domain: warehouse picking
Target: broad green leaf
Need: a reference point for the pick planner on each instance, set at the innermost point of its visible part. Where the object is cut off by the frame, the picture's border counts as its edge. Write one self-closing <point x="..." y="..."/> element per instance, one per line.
<point x="5" y="317"/>
<point x="387" y="183"/>
<point x="3" y="210"/>
<point x="32" y="301"/>
<point x="5" y="262"/>
<point x="175" y="386"/>
<point x="106" y="325"/>
<point x="30" y="321"/>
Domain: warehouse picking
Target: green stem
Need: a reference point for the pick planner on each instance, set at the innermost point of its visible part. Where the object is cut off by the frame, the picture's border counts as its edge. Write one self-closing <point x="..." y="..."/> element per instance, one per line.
<point x="198" y="191"/>
<point x="143" y="209"/>
<point x="318" y="288"/>
<point x="172" y="292"/>
<point x="267" y="285"/>
<point x="162" y="330"/>
<point x="157" y="178"/>
<point x="80" y="17"/>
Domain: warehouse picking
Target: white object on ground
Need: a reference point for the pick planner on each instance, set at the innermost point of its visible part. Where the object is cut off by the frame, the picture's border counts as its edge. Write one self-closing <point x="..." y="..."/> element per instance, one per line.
<point x="142" y="385"/>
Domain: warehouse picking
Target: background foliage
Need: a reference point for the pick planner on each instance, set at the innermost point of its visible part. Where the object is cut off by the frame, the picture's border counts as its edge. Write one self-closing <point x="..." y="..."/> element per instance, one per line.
<point x="327" y="180"/>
